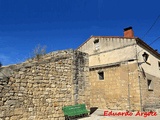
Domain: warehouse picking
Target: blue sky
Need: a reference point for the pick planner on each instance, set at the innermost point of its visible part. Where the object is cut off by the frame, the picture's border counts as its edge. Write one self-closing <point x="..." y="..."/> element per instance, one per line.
<point x="64" y="24"/>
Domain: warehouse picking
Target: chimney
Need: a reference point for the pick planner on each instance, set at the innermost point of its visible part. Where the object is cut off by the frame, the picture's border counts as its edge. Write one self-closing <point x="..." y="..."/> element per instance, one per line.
<point x="128" y="32"/>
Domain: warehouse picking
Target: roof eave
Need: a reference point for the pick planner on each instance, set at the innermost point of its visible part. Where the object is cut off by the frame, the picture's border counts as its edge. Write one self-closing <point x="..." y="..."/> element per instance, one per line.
<point x="141" y="42"/>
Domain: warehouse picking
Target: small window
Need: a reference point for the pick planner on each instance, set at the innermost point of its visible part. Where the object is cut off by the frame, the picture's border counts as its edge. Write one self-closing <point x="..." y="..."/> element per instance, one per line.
<point x="96" y="44"/>
<point x="150" y="85"/>
<point x="159" y="65"/>
<point x="101" y="75"/>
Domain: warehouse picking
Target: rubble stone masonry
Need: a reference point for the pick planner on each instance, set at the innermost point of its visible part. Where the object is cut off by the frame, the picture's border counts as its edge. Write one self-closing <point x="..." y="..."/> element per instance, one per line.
<point x="38" y="89"/>
<point x="150" y="97"/>
<point x="120" y="88"/>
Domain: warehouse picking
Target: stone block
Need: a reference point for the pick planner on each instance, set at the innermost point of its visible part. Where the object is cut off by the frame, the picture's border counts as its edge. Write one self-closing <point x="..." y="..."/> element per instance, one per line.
<point x="38" y="78"/>
<point x="11" y="102"/>
<point x="18" y="111"/>
<point x="14" y="118"/>
<point x="32" y="118"/>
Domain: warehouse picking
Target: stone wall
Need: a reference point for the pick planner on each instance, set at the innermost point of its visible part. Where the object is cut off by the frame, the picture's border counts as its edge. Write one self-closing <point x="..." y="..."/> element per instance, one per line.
<point x="150" y="97"/>
<point x="120" y="88"/>
<point x="38" y="89"/>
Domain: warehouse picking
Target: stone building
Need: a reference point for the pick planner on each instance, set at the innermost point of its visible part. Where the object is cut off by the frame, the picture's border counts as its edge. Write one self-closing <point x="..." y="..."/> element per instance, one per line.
<point x="120" y="79"/>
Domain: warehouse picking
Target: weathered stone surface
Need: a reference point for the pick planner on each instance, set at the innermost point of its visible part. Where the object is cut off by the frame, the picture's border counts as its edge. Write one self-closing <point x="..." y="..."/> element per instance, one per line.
<point x="116" y="90"/>
<point x="37" y="90"/>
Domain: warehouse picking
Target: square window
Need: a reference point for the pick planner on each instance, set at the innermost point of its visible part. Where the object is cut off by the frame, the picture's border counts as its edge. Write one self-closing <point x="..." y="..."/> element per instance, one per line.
<point x="150" y="85"/>
<point x="96" y="41"/>
<point x="96" y="44"/>
<point x="101" y="75"/>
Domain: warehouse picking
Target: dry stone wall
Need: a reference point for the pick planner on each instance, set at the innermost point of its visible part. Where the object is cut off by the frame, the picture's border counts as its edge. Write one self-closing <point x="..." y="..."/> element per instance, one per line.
<point x="38" y="89"/>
